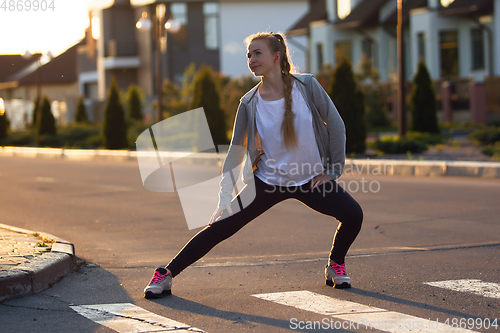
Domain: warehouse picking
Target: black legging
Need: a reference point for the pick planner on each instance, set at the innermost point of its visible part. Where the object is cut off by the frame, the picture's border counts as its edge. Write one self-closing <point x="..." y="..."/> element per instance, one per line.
<point x="330" y="199"/>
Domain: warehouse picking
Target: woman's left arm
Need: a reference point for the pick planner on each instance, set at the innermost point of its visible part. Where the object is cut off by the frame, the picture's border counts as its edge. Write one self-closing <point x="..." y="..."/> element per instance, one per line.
<point x="334" y="125"/>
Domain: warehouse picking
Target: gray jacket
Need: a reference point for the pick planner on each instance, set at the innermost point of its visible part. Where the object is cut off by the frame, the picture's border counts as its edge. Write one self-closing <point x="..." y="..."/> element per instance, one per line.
<point x="328" y="127"/>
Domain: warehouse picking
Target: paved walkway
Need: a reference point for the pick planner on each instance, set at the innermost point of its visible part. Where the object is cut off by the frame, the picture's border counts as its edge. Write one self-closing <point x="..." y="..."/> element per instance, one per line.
<point x="19" y="248"/>
<point x="31" y="261"/>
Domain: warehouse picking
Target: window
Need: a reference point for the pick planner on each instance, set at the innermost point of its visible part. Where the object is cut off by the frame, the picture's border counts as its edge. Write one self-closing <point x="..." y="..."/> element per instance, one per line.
<point x="477" y="38"/>
<point x="343" y="48"/>
<point x="448" y="43"/>
<point x="179" y="40"/>
<point x="446" y="3"/>
<point x="319" y="55"/>
<point x="367" y="49"/>
<point x="421" y="46"/>
<point x="343" y="8"/>
<point x="211" y="14"/>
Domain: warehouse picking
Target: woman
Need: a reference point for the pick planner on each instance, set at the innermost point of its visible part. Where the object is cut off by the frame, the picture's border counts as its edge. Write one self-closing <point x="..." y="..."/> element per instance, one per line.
<point x="284" y="122"/>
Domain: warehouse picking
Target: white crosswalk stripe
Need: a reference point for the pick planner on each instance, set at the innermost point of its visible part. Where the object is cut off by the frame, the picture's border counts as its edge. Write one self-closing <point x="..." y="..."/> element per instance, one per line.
<point x="128" y="318"/>
<point x="477" y="287"/>
<point x="352" y="315"/>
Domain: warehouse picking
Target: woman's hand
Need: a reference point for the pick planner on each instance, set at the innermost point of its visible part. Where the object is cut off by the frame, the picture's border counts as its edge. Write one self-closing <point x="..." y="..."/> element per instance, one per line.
<point x="218" y="212"/>
<point x="320" y="180"/>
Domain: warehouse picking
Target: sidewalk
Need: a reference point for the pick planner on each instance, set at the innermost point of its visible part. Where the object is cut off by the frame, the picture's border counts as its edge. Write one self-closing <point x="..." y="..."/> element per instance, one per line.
<point x="447" y="162"/>
<point x="31" y="261"/>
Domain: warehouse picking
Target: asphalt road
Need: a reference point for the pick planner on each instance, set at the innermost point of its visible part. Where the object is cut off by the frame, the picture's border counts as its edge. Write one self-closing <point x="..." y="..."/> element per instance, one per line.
<point x="415" y="230"/>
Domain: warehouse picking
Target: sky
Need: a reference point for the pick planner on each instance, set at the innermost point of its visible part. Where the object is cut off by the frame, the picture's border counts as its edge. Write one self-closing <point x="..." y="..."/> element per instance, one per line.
<point x="53" y="30"/>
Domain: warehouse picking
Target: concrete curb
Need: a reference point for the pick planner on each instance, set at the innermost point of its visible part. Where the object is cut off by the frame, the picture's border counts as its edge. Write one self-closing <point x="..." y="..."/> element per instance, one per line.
<point x="353" y="166"/>
<point x="39" y="273"/>
<point x="423" y="168"/>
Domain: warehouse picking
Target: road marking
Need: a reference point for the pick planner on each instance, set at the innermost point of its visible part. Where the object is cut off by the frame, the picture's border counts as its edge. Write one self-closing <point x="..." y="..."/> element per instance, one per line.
<point x="45" y="179"/>
<point x="128" y="318"/>
<point x="355" y="315"/>
<point x="477" y="287"/>
<point x="282" y="259"/>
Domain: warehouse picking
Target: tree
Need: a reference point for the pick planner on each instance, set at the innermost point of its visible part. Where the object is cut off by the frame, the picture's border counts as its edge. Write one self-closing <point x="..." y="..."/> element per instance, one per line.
<point x="114" y="127"/>
<point x="376" y="114"/>
<point x="349" y="101"/>
<point x="134" y="103"/>
<point x="34" y="118"/>
<point x="4" y="124"/>
<point x="206" y="95"/>
<point x="47" y="124"/>
<point x="81" y="113"/>
<point x="423" y="102"/>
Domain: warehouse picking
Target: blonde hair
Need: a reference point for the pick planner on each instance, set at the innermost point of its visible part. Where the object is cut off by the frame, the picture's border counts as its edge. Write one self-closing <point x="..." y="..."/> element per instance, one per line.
<point x="276" y="43"/>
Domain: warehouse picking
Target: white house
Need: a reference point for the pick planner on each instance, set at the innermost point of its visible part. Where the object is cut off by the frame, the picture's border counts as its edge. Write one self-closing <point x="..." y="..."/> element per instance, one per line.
<point x="241" y="18"/>
<point x="456" y="38"/>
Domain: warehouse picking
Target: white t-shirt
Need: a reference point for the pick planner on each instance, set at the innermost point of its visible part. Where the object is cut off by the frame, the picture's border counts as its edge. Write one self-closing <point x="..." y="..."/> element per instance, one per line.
<point x="278" y="166"/>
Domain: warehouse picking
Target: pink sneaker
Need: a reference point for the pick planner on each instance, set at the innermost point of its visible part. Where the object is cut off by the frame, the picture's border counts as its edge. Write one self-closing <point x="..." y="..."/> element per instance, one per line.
<point x="336" y="276"/>
<point x="160" y="285"/>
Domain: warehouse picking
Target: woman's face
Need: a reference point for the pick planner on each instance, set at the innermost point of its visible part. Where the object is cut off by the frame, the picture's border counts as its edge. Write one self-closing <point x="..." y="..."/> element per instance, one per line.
<point x="260" y="58"/>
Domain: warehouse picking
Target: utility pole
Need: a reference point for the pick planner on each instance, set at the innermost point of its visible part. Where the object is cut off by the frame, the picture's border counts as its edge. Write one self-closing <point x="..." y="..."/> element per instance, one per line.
<point x="160" y="15"/>
<point x="401" y="74"/>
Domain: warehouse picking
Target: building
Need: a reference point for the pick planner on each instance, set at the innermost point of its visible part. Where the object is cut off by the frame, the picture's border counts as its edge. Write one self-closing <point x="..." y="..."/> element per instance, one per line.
<point x="210" y="32"/>
<point x="459" y="40"/>
<point x="23" y="78"/>
<point x="456" y="38"/>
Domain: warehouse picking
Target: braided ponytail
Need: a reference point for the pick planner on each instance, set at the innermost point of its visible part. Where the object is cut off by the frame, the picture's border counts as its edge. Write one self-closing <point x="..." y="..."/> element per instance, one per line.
<point x="277" y="43"/>
<point x="288" y="126"/>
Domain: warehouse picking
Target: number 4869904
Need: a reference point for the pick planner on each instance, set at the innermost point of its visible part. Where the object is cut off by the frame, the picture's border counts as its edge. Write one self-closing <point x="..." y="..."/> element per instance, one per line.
<point x="27" y="5"/>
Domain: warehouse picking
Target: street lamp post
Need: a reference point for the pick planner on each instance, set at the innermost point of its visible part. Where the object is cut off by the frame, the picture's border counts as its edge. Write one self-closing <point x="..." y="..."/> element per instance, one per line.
<point x="401" y="74"/>
<point x="27" y="55"/>
<point x="145" y="24"/>
<point x="160" y="15"/>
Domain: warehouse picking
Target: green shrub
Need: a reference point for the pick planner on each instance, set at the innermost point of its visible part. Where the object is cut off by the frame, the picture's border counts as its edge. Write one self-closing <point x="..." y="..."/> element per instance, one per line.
<point x="349" y="101"/>
<point x="425" y="138"/>
<point x="77" y="134"/>
<point x="4" y="125"/>
<point x="81" y="113"/>
<point x="46" y="126"/>
<point x="206" y="95"/>
<point x="486" y="136"/>
<point x="376" y="113"/>
<point x="492" y="151"/>
<point x="397" y="145"/>
<point x="34" y="118"/>
<point x="114" y="127"/>
<point x="134" y="103"/>
<point x="134" y="130"/>
<point x="49" y="141"/>
<point x="423" y="102"/>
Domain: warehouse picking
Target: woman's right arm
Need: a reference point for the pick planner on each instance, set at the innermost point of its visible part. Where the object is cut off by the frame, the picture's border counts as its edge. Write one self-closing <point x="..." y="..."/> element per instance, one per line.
<point x="235" y="155"/>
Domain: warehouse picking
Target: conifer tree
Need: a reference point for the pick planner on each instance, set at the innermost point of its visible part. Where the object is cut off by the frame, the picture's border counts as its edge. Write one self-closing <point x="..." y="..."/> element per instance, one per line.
<point x="114" y="127"/>
<point x="349" y="101"/>
<point x="423" y="102"/>
<point x="47" y="124"/>
<point x="81" y="113"/>
<point x="206" y="95"/>
<point x="34" y="118"/>
<point x="4" y="124"/>
<point x="134" y="103"/>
